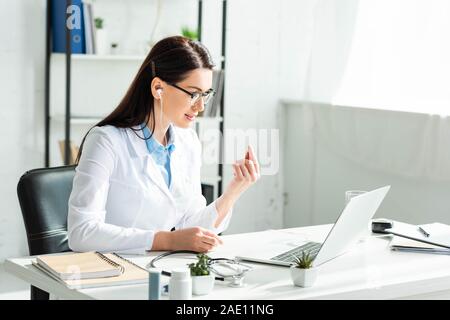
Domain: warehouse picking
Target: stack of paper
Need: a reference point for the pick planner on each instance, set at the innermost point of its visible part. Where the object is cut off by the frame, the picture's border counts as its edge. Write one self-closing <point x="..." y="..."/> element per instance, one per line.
<point x="408" y="245"/>
<point x="427" y="238"/>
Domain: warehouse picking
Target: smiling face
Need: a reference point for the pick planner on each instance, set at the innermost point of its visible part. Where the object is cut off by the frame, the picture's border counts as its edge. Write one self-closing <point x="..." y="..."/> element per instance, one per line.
<point x="177" y="106"/>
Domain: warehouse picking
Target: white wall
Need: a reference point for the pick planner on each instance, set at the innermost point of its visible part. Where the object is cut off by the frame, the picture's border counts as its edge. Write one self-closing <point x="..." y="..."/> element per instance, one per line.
<point x="252" y="89"/>
<point x="22" y="34"/>
<point x="331" y="149"/>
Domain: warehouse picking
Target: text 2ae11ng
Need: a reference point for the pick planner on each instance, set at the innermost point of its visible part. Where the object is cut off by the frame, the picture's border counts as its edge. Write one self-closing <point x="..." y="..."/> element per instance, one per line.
<point x="240" y="309"/>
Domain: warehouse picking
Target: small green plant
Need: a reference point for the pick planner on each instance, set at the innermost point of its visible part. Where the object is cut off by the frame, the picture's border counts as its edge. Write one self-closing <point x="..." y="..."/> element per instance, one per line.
<point x="200" y="268"/>
<point x="305" y="261"/>
<point x="98" y="23"/>
<point x="189" y="33"/>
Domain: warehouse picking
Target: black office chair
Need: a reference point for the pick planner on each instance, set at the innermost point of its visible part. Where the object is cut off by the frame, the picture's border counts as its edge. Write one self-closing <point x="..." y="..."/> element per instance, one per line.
<point x="43" y="197"/>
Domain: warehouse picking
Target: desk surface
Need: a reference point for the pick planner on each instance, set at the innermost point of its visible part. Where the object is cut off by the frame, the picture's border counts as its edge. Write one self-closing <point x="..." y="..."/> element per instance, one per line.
<point x="368" y="271"/>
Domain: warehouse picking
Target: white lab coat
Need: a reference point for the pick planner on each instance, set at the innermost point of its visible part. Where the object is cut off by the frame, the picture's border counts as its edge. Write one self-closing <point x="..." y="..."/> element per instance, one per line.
<point x="120" y="199"/>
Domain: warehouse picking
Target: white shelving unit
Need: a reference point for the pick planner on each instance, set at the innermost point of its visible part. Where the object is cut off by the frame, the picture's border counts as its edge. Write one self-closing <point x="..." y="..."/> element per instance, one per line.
<point x="77" y="120"/>
<point x="99" y="58"/>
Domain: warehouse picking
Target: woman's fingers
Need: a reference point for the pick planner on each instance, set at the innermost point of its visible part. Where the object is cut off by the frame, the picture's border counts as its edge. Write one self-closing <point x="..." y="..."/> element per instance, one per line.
<point x="253" y="158"/>
<point x="238" y="170"/>
<point x="244" y="170"/>
<point x="210" y="241"/>
<point x="212" y="234"/>
<point x="203" y="248"/>
<point x="252" y="170"/>
<point x="248" y="167"/>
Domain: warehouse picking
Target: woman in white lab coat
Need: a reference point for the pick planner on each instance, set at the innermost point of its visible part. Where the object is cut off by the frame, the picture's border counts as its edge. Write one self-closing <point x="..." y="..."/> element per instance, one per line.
<point x="138" y="173"/>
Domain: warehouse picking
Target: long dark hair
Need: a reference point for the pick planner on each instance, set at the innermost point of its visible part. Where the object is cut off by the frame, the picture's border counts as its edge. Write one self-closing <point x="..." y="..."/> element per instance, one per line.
<point x="171" y="59"/>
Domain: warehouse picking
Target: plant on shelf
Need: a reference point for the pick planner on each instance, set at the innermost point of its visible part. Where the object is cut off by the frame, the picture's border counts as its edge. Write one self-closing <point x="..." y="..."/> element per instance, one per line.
<point x="98" y="23"/>
<point x="101" y="36"/>
<point x="202" y="279"/>
<point x="114" y="47"/>
<point x="303" y="273"/>
<point x="189" y="33"/>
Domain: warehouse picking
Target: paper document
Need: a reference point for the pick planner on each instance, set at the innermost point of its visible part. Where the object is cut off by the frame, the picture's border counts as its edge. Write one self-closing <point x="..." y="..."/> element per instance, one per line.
<point x="408" y="245"/>
<point x="410" y="238"/>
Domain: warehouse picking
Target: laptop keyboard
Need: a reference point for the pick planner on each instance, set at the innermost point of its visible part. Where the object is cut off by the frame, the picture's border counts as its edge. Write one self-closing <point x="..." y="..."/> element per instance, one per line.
<point x="288" y="256"/>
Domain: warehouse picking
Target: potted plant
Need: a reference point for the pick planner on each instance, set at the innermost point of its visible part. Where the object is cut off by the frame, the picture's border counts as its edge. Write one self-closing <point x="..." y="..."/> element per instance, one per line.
<point x="189" y="33"/>
<point x="101" y="36"/>
<point x="303" y="273"/>
<point x="202" y="279"/>
<point x="114" y="46"/>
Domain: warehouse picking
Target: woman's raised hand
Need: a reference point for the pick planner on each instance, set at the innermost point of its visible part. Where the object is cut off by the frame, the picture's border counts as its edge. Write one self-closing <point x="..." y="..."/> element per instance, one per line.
<point x="246" y="172"/>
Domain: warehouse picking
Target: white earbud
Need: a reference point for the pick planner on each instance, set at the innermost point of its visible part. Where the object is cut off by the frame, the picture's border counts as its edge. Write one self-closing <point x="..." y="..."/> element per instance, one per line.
<point x="159" y="93"/>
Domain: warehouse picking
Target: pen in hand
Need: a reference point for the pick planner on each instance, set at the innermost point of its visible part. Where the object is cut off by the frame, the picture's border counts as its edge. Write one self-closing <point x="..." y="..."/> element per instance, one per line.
<point x="426" y="234"/>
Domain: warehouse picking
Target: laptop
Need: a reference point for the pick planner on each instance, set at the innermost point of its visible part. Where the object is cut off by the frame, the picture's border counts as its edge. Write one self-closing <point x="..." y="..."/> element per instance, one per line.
<point x="350" y="226"/>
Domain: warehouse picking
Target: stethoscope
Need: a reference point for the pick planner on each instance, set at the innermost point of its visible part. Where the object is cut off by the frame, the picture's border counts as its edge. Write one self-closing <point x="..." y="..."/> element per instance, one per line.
<point x="236" y="279"/>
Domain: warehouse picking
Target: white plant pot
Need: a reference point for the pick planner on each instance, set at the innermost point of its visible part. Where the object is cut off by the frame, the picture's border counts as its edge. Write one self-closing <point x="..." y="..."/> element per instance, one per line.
<point x="202" y="285"/>
<point x="102" y="41"/>
<point x="303" y="277"/>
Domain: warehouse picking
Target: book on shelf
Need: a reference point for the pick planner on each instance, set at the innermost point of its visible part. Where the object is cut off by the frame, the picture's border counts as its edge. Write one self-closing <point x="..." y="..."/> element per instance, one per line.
<point x="73" y="150"/>
<point x="89" y="27"/>
<point x="91" y="269"/>
<point x="83" y="31"/>
<point x="76" y="21"/>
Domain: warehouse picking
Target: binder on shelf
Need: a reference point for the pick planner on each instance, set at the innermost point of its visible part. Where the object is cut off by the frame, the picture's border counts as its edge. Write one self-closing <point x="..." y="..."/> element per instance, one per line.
<point x="89" y="27"/>
<point x="59" y="23"/>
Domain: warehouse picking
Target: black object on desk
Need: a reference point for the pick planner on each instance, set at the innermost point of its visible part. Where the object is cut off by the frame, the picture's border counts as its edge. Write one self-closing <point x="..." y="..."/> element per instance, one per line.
<point x="380" y="225"/>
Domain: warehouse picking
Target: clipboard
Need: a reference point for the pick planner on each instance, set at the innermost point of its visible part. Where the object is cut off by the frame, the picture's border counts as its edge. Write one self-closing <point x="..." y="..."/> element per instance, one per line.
<point x="439" y="233"/>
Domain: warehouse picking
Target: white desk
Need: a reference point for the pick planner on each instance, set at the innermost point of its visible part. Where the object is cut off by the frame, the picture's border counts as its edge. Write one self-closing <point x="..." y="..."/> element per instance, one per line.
<point x="368" y="271"/>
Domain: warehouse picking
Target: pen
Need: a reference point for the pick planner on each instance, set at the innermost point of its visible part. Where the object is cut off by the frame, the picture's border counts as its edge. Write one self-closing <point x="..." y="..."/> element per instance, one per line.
<point x="426" y="234"/>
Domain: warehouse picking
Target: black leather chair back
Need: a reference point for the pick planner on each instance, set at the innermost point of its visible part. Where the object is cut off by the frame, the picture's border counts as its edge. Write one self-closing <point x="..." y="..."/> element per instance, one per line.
<point x="43" y="197"/>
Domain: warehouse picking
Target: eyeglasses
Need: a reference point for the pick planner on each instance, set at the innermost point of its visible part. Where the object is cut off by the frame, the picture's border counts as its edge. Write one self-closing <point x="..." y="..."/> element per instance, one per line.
<point x="195" y="96"/>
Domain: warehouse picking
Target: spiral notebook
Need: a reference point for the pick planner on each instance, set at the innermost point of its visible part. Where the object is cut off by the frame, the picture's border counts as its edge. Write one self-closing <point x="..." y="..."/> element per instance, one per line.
<point x="91" y="269"/>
